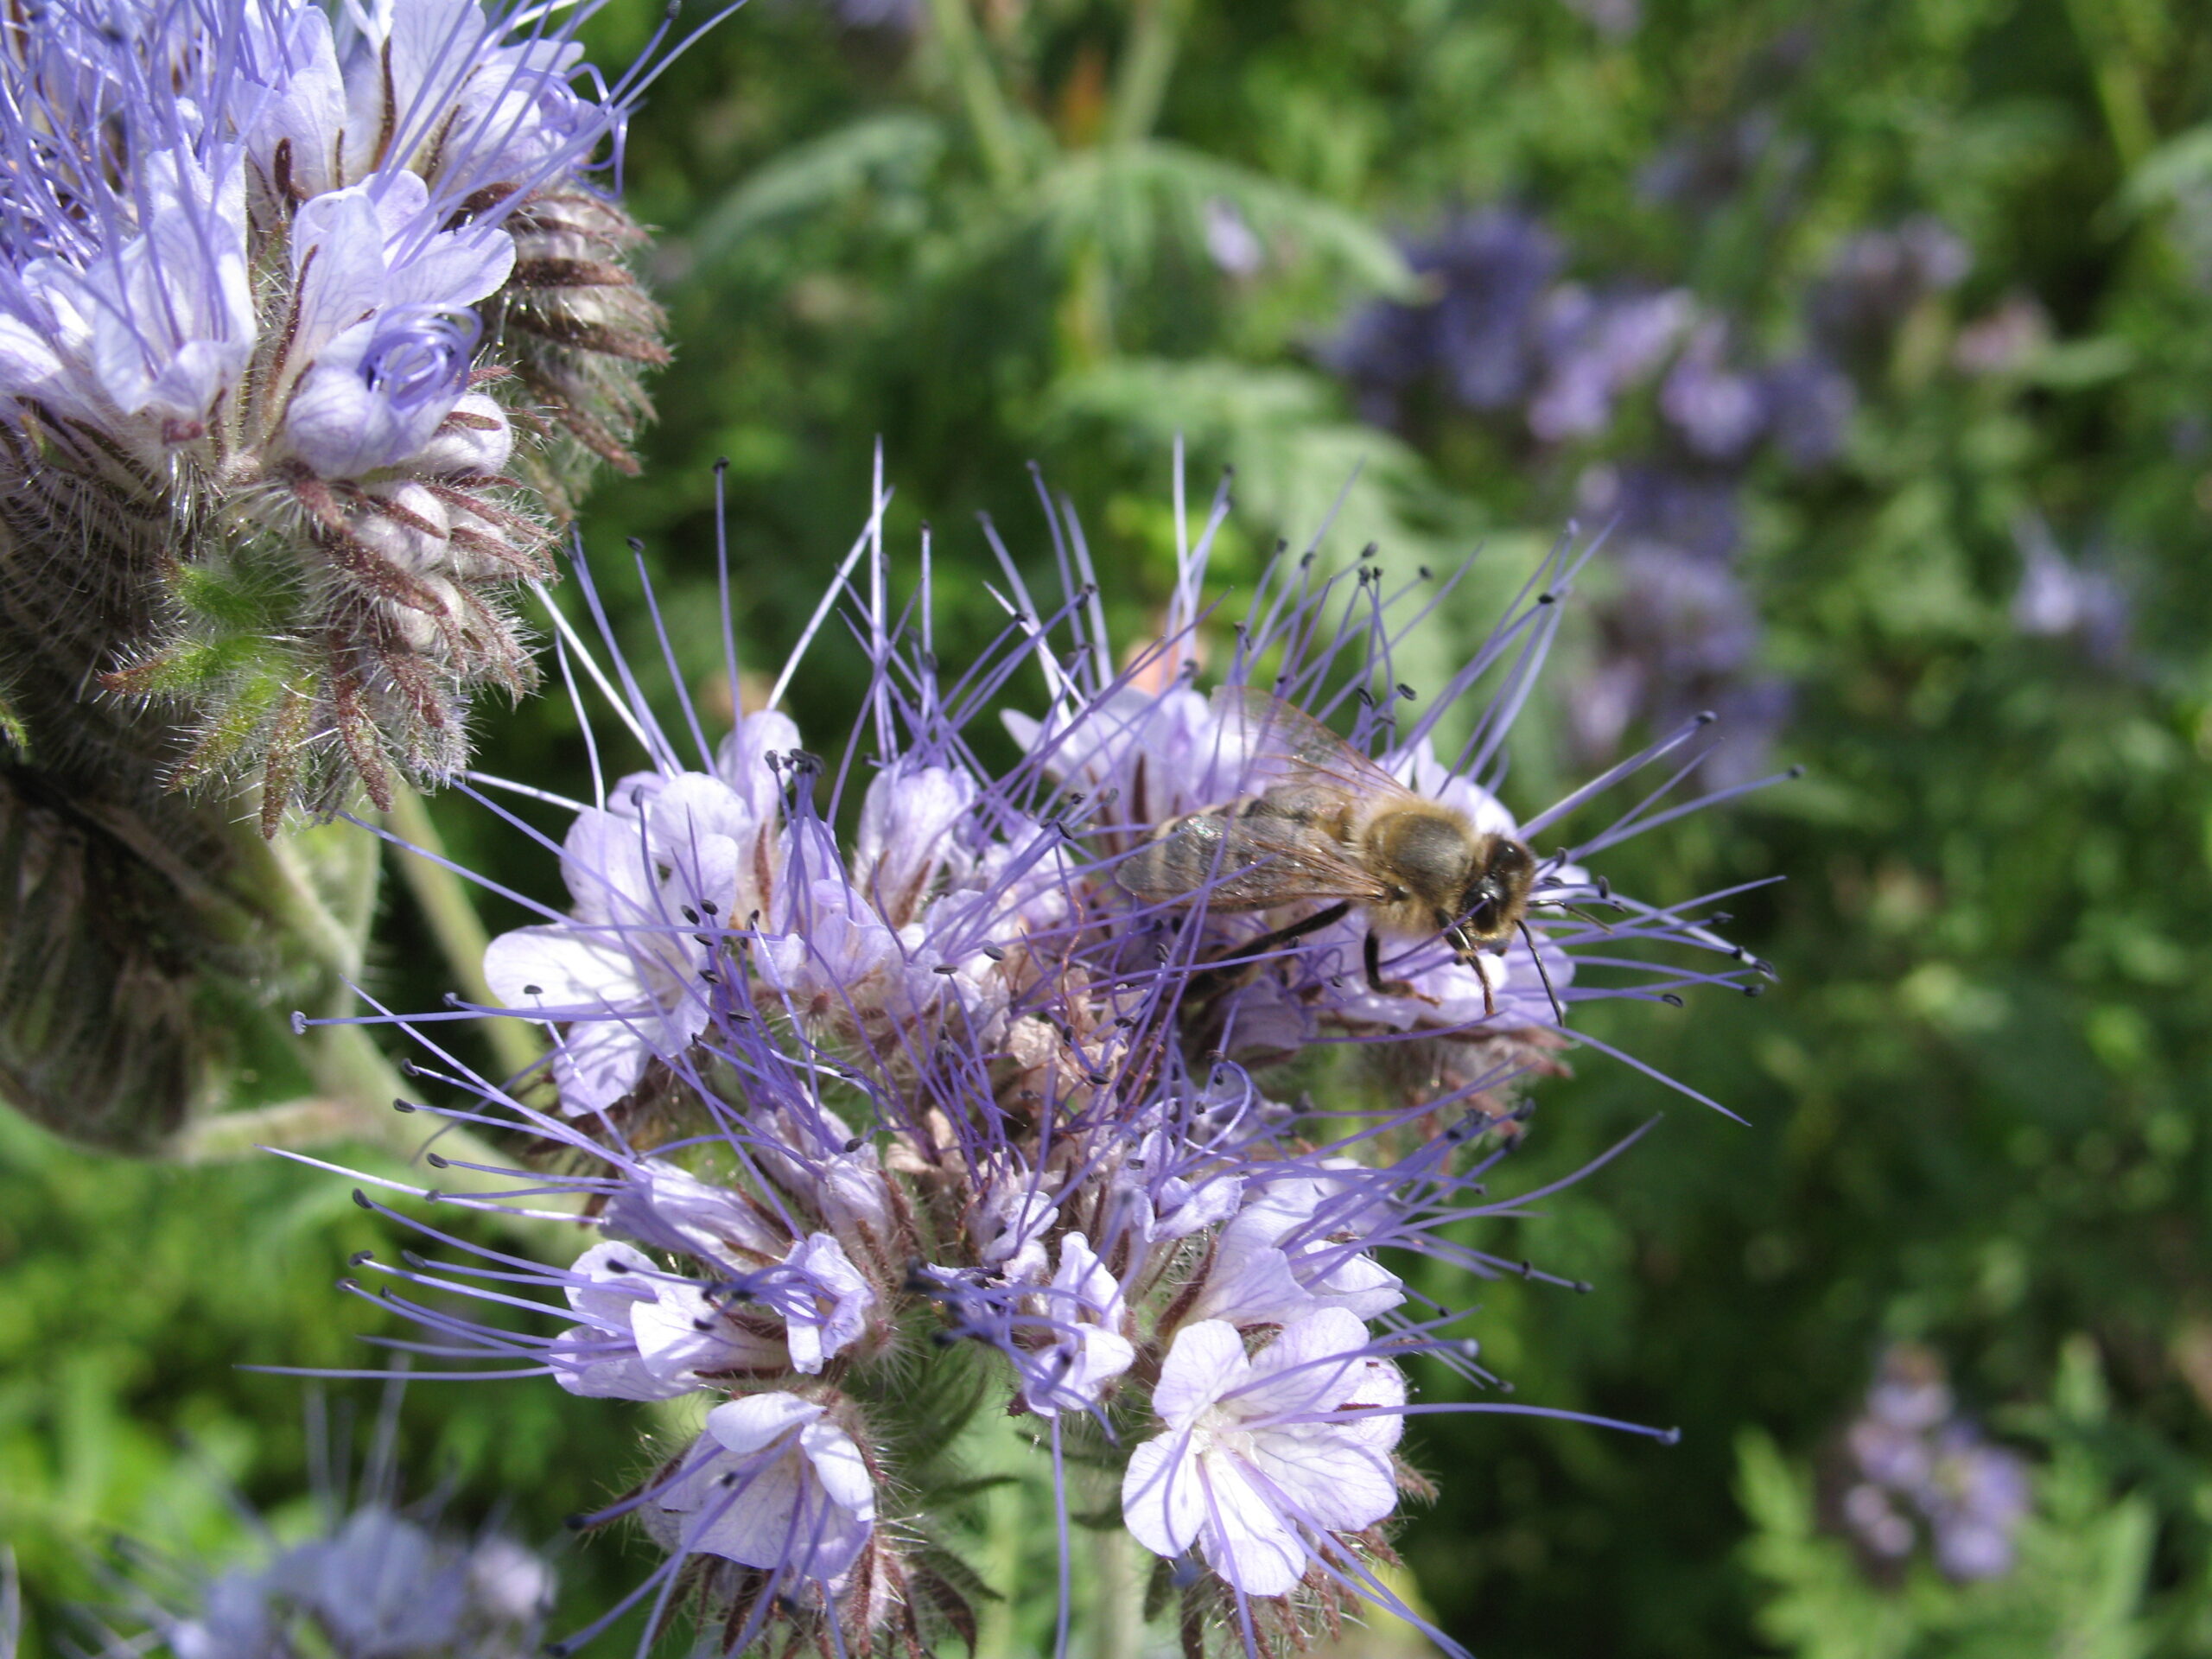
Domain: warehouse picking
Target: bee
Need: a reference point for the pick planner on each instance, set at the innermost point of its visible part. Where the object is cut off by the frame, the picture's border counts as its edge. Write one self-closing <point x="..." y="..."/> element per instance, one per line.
<point x="1329" y="824"/>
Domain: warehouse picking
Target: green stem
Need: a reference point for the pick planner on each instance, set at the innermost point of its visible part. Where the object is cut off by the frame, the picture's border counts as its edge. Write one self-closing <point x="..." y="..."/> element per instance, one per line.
<point x="2119" y="88"/>
<point x="443" y="898"/>
<point x="987" y="114"/>
<point x="1117" y="1623"/>
<point x="1147" y="61"/>
<point x="358" y="1086"/>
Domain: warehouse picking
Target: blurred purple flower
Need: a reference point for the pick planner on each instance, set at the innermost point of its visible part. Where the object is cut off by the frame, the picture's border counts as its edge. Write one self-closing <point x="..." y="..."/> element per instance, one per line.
<point x="1915" y="1463"/>
<point x="1875" y="278"/>
<point x="380" y="1580"/>
<point x="2060" y="598"/>
<point x="1596" y="348"/>
<point x="1719" y="411"/>
<point x="1487" y="272"/>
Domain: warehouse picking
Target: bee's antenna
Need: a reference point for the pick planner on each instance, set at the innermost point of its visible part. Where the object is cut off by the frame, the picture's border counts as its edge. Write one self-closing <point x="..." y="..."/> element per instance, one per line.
<point x="1559" y="1014"/>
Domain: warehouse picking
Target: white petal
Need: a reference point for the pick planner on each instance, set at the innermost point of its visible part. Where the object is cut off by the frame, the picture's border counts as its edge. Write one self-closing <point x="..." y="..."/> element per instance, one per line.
<point x="749" y="1423"/>
<point x="561" y="967"/>
<point x="1246" y="1541"/>
<point x="1161" y="1502"/>
<point x="1206" y="1360"/>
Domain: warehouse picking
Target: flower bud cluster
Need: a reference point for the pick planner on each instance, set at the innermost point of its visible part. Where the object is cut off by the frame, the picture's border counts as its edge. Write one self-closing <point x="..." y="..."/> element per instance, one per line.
<point x="278" y="286"/>
<point x="946" y="1107"/>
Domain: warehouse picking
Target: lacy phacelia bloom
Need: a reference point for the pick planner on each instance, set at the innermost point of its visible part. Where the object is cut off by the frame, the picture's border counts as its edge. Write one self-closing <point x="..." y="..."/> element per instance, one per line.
<point x="272" y="282"/>
<point x="1261" y="1453"/>
<point x="778" y="1487"/>
<point x="950" y="1120"/>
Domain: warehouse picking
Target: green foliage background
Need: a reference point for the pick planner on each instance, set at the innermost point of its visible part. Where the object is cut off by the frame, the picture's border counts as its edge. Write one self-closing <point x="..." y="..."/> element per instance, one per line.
<point x="1977" y="1100"/>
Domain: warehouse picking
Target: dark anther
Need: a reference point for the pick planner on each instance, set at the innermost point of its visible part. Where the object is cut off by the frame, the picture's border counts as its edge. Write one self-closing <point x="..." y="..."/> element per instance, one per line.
<point x="1428" y="575"/>
<point x="689" y="915"/>
<point x="1754" y="990"/>
<point x="995" y="953"/>
<point x="722" y="463"/>
<point x="1795" y="772"/>
<point x="857" y="1143"/>
<point x="401" y="1106"/>
<point x="946" y="968"/>
<point x="711" y="907"/>
<point x="408" y="1069"/>
<point x="351" y="1284"/>
<point x="616" y="1267"/>
<point x="636" y="546"/>
<point x="574" y="1524"/>
<point x="702" y="1324"/>
<point x="1670" y="999"/>
<point x="710" y="976"/>
<point x="1547" y="598"/>
<point x="360" y="1258"/>
<point x="1672" y="1437"/>
<point x="362" y="1199"/>
<point x="533" y="990"/>
<point x="431" y="1195"/>
<point x="435" y="1162"/>
<point x="1407" y="692"/>
<point x="1706" y="717"/>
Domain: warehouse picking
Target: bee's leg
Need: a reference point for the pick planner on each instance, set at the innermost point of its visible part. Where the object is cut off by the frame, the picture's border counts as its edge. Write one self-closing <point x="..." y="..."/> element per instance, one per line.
<point x="1375" y="982"/>
<point x="1240" y="962"/>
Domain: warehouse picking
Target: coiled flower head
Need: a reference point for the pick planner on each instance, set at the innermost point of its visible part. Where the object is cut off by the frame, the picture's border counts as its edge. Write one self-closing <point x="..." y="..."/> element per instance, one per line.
<point x="309" y="320"/>
<point x="883" y="1135"/>
<point x="276" y="286"/>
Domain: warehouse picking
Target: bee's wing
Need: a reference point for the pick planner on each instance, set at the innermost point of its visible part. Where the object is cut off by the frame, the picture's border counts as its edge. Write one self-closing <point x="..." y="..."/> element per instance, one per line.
<point x="1307" y="751"/>
<point x="1247" y="857"/>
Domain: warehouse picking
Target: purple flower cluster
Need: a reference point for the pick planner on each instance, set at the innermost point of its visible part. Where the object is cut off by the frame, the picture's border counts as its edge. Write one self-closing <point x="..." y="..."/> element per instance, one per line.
<point x="1507" y="334"/>
<point x="943" y="1109"/>
<point x="378" y="1580"/>
<point x="276" y="285"/>
<point x="1918" y="1465"/>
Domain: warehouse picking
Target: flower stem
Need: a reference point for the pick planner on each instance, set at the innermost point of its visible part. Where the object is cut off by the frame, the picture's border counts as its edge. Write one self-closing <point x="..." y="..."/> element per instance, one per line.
<point x="1117" y="1623"/>
<point x="979" y="90"/>
<point x="1147" y="63"/>
<point x="443" y="898"/>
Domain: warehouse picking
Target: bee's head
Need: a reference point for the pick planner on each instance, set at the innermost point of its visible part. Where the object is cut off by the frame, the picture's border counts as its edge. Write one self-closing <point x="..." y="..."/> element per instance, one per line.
<point x="1495" y="895"/>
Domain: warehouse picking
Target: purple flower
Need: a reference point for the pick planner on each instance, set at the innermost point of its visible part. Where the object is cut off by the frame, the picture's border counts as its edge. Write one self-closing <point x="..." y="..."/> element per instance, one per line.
<point x="1719" y="411"/>
<point x="773" y="1483"/>
<point x="1595" y="350"/>
<point x="1264" y="1457"/>
<point x="2059" y="599"/>
<point x="1916" y="1464"/>
<point x="377" y="1581"/>
<point x="947" y="1111"/>
<point x="1875" y="278"/>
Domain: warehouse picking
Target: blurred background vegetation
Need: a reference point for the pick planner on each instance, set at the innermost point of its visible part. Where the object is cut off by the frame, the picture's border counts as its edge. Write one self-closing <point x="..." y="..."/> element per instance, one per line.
<point x="1881" y="336"/>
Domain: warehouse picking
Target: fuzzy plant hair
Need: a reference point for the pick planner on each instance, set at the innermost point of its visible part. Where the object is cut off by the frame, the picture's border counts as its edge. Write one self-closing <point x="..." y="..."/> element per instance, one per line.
<point x="890" y="1110"/>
